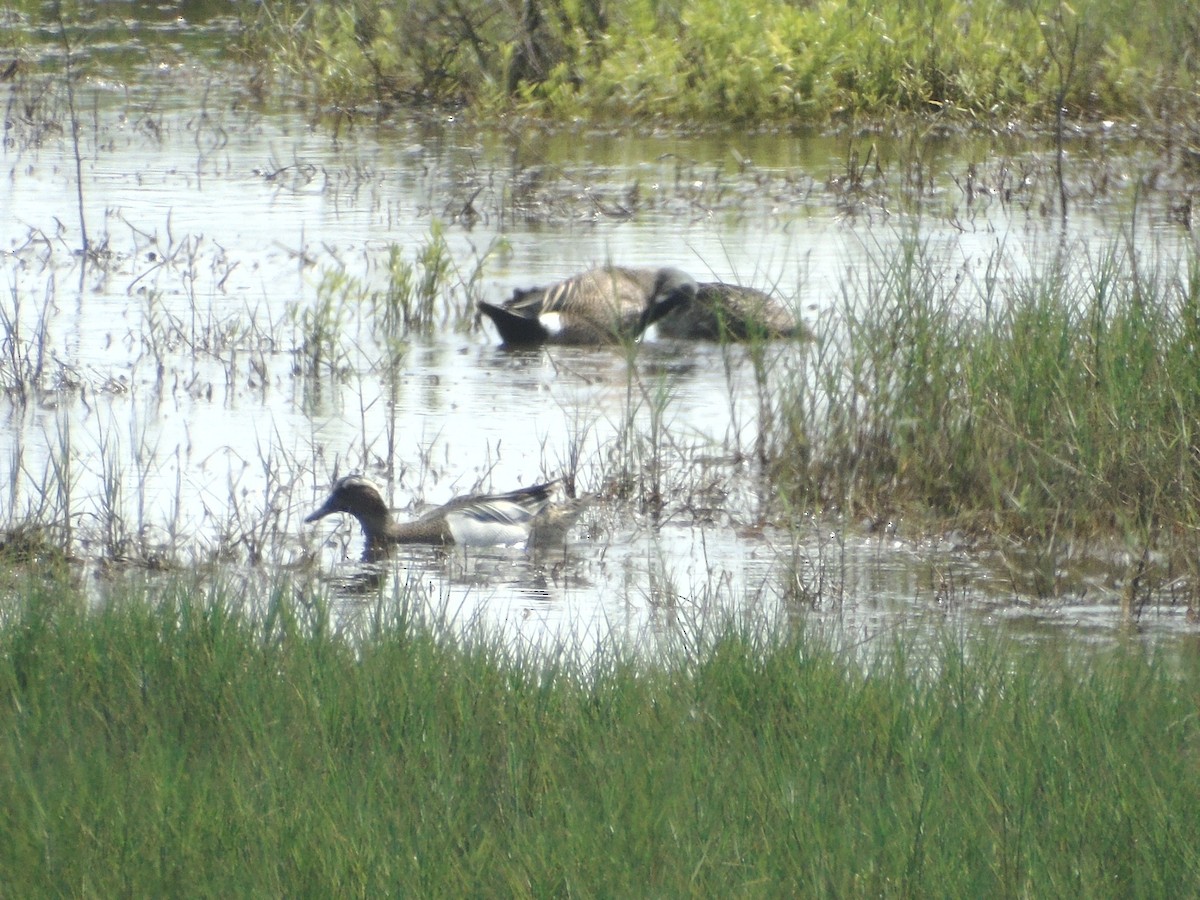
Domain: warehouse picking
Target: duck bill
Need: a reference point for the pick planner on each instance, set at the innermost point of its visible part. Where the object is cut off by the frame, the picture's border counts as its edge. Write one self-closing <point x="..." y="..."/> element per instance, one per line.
<point x="319" y="514"/>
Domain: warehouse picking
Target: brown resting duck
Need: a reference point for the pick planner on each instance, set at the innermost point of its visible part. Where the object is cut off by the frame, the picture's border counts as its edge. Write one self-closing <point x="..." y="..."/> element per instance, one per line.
<point x="600" y="306"/>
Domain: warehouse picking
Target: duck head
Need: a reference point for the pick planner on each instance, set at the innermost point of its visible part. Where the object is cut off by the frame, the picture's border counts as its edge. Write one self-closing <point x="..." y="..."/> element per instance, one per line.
<point x="358" y="497"/>
<point x="672" y="289"/>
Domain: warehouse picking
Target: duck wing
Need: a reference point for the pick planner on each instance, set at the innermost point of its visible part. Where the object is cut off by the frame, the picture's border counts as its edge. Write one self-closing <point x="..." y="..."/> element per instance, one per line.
<point x="497" y="518"/>
<point x="601" y="295"/>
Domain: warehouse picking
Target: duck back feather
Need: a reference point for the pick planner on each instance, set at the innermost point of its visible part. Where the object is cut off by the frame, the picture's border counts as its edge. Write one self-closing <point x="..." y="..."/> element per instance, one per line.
<point x="599" y="306"/>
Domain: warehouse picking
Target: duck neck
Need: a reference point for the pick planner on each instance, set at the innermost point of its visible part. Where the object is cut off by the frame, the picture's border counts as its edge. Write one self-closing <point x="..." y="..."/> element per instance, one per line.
<point x="422" y="531"/>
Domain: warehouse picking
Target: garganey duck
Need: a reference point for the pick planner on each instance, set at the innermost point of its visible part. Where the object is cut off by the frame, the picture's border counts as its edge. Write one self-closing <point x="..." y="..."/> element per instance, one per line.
<point x="530" y="515"/>
<point x="599" y="306"/>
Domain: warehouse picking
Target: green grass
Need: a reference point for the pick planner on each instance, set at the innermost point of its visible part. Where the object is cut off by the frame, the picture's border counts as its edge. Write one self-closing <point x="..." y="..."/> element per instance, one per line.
<point x="1060" y="400"/>
<point x="172" y="744"/>
<point x="715" y="61"/>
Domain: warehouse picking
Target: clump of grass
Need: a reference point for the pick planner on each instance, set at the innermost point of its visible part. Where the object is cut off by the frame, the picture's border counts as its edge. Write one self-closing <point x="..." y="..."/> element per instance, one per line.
<point x="28" y="369"/>
<point x="1061" y="401"/>
<point x="186" y="742"/>
<point x="643" y="443"/>
<point x="257" y="517"/>
<point x="29" y="546"/>
<point x="666" y="470"/>
<point x="351" y="316"/>
<point x="425" y="292"/>
<point x="320" y="327"/>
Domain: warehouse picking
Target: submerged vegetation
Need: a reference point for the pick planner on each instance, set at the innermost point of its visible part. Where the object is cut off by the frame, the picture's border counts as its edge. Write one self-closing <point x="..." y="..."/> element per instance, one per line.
<point x="177" y="741"/>
<point x="775" y="63"/>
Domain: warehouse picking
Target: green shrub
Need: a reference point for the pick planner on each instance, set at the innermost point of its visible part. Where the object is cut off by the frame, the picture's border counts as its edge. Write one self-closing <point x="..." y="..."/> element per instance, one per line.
<point x="728" y="60"/>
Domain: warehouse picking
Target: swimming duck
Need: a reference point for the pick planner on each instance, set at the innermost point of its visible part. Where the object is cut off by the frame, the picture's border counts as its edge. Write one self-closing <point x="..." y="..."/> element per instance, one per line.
<point x="596" y="307"/>
<point x="527" y="515"/>
<point x="731" y="312"/>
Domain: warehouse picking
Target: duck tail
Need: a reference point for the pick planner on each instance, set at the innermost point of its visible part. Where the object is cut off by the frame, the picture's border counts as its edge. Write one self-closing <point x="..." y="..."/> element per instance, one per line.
<point x="515" y="329"/>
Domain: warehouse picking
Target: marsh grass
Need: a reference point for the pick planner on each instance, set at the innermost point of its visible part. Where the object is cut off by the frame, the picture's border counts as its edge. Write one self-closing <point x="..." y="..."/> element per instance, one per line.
<point x="320" y="344"/>
<point x="173" y="741"/>
<point x="23" y="365"/>
<point x="354" y="321"/>
<point x="653" y="459"/>
<point x="1058" y="404"/>
<point x="642" y="446"/>
<point x="429" y="291"/>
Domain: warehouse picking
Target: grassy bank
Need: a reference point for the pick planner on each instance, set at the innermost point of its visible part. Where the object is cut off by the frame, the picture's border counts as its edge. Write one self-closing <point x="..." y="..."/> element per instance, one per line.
<point x="774" y="63"/>
<point x="173" y="745"/>
<point x="1056" y="403"/>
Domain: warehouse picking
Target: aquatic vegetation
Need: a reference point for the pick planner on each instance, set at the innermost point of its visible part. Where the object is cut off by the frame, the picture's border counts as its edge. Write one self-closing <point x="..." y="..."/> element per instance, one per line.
<point x="22" y="357"/>
<point x="352" y="316"/>
<point x="410" y="300"/>
<point x="321" y="326"/>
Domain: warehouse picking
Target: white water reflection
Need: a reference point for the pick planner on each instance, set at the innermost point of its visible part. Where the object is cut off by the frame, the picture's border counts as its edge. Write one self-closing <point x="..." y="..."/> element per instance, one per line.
<point x="180" y="420"/>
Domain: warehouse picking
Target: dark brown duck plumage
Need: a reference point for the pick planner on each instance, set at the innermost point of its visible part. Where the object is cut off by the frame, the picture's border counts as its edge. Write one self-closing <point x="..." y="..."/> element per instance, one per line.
<point x="599" y="306"/>
<point x="722" y="311"/>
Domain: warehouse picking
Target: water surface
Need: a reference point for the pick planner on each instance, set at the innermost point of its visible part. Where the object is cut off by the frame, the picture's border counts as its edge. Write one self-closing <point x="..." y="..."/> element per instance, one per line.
<point x="162" y="403"/>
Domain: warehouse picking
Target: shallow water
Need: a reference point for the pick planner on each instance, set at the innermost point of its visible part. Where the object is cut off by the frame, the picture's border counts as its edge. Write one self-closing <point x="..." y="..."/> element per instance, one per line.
<point x="160" y="403"/>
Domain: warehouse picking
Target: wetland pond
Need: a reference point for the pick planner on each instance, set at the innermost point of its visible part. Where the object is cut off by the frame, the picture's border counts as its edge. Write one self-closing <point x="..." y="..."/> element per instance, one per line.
<point x="183" y="394"/>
